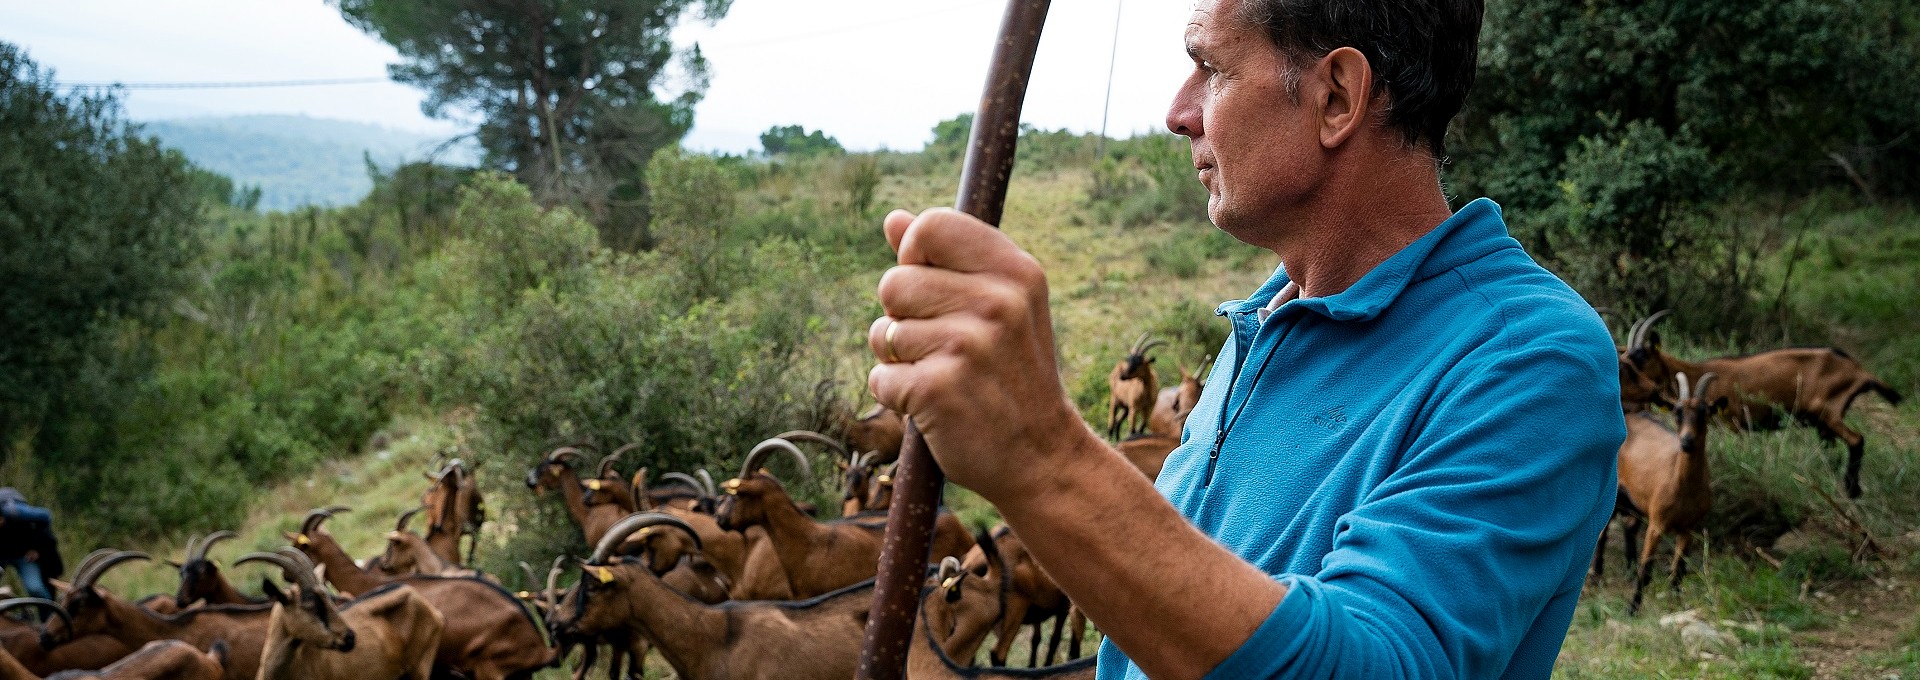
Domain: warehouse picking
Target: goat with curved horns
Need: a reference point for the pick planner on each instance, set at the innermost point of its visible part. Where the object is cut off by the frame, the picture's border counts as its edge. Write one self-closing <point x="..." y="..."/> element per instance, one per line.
<point x="1132" y="388"/>
<point x="387" y="634"/>
<point x="818" y="556"/>
<point x="754" y="640"/>
<point x="1814" y="385"/>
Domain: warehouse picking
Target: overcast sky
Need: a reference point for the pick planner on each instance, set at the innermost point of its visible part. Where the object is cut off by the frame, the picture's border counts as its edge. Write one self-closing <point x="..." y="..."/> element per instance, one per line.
<point x="872" y="73"/>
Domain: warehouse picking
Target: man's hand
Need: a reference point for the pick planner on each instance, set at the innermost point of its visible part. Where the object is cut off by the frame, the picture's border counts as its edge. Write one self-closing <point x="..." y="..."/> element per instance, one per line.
<point x="971" y="357"/>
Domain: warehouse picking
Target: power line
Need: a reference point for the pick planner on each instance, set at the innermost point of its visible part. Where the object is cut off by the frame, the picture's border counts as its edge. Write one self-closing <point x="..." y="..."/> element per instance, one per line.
<point x="226" y="85"/>
<point x="791" y="37"/>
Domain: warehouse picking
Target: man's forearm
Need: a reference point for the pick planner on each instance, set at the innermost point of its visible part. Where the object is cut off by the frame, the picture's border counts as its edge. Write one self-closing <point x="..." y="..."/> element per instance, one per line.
<point x="1176" y="602"/>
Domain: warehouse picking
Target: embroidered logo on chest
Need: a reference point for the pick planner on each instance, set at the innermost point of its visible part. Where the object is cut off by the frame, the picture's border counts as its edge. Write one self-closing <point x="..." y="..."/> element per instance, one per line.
<point x="1332" y="419"/>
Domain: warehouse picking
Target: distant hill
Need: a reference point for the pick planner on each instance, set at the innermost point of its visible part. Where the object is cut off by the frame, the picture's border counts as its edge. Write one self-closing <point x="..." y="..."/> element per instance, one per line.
<point x="297" y="160"/>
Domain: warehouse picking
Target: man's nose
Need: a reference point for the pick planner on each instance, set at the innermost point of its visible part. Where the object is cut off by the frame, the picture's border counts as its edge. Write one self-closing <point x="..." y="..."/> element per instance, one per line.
<point x="1183" y="115"/>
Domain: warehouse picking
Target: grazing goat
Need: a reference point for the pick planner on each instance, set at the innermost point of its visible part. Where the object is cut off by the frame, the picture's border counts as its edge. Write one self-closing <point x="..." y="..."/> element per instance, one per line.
<point x="90" y="610"/>
<point x="556" y="472"/>
<point x="856" y="472"/>
<point x="757" y="640"/>
<point x="158" y="660"/>
<point x="407" y="553"/>
<point x="818" y="556"/>
<point x="22" y="641"/>
<point x="455" y="509"/>
<point x="1171" y="407"/>
<point x="879" y="430"/>
<point x="387" y="634"/>
<point x="1132" y="389"/>
<point x="1664" y="479"/>
<point x="1813" y="385"/>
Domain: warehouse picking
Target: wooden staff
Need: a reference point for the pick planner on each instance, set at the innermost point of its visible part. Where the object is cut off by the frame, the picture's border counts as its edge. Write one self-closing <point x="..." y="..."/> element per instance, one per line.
<point x="918" y="479"/>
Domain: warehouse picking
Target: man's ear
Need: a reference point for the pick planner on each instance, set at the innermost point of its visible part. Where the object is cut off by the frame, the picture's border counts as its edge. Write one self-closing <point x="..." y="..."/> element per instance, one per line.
<point x="1348" y="79"/>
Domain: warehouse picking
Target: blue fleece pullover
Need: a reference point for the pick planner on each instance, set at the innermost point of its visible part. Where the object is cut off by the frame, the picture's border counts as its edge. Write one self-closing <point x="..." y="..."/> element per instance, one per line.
<point x="1424" y="459"/>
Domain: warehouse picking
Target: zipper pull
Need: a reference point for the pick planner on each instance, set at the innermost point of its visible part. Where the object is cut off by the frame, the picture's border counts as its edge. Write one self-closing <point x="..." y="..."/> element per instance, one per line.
<point x="1213" y="455"/>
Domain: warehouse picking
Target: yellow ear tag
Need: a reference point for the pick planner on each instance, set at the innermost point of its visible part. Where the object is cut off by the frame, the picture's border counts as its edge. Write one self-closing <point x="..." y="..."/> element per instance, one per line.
<point x="605" y="575"/>
<point x="593" y="484"/>
<point x="884" y="479"/>
<point x="301" y="539"/>
<point x="950" y="583"/>
<point x="732" y="486"/>
<point x="393" y="535"/>
<point x="524" y="595"/>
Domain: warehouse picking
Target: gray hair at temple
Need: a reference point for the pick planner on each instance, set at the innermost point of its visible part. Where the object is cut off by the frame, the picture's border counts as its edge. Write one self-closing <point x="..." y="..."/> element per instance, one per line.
<point x="1423" y="52"/>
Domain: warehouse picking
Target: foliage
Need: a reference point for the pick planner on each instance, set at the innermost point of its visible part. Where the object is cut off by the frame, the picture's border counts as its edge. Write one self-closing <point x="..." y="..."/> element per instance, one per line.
<point x="1147" y="179"/>
<point x="693" y="211"/>
<point x="99" y="224"/>
<point x="795" y="140"/>
<point x="1627" y="115"/>
<point x="566" y="91"/>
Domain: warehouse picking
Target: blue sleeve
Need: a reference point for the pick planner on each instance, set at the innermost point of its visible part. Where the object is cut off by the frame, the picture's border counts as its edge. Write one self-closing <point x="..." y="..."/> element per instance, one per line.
<point x="1472" y="552"/>
<point x="21" y="512"/>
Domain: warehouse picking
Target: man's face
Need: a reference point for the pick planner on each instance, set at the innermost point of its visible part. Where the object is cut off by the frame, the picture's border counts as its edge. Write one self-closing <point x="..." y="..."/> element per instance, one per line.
<point x="1255" y="145"/>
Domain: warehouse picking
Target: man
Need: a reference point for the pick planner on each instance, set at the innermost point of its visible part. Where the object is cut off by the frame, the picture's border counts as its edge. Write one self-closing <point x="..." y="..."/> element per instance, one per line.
<point x="27" y="543"/>
<point x="1406" y="449"/>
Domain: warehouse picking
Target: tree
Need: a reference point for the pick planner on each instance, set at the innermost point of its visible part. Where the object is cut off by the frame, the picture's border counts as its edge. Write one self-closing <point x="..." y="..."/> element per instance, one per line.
<point x="1609" y="128"/>
<point x="795" y="140"/>
<point x="99" y="224"/>
<point x="566" y="89"/>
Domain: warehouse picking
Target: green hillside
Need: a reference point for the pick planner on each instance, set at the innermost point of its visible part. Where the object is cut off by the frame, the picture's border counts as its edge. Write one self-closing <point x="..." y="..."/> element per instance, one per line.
<point x="297" y="160"/>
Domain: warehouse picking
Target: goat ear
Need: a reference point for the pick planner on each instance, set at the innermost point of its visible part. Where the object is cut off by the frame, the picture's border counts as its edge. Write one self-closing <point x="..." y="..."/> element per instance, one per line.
<point x="272" y="591"/>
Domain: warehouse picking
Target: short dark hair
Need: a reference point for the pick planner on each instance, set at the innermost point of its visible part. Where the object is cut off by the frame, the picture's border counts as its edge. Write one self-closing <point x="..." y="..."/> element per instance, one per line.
<point x="1423" y="52"/>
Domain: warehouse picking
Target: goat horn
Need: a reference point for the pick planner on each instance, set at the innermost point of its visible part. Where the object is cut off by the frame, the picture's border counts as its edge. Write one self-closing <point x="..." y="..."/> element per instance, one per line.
<point x="308" y="581"/>
<point x="810" y="435"/>
<point x="87" y="562"/>
<point x="1685" y="392"/>
<point x="318" y="515"/>
<point x="1135" y="347"/>
<point x="289" y="570"/>
<point x="565" y="452"/>
<point x="85" y="581"/>
<point x="42" y="603"/>
<point x="553" y="574"/>
<point x="407" y="516"/>
<point x="706" y="479"/>
<point x="633" y="523"/>
<point x="193" y="546"/>
<point x="949" y="568"/>
<point x="606" y="464"/>
<point x="532" y="578"/>
<point x="1646" y="325"/>
<point x="207" y="543"/>
<point x="872" y="413"/>
<point x="1156" y="342"/>
<point x="685" y="479"/>
<point x="1700" y="388"/>
<point x="758" y="457"/>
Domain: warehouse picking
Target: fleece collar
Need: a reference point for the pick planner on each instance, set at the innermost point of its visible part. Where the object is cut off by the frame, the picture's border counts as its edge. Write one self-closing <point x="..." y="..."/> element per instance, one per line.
<point x="1473" y="232"/>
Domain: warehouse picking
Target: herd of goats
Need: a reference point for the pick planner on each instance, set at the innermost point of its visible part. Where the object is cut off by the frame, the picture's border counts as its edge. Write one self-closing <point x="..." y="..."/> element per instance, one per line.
<point x="739" y="580"/>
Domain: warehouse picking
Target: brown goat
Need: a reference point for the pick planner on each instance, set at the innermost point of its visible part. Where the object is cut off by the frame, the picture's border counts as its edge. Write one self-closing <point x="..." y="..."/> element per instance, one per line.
<point x="556" y="472"/>
<point x="408" y="553"/>
<point x="90" y="610"/>
<point x="757" y="640"/>
<point x="928" y="660"/>
<point x="456" y="510"/>
<point x="1664" y="479"/>
<point x="1027" y="596"/>
<point x="488" y="634"/>
<point x="818" y="556"/>
<point x="387" y="634"/>
<point x="200" y="578"/>
<point x="23" y="642"/>
<point x="158" y="660"/>
<point x="1813" y="385"/>
<point x="879" y="430"/>
<point x="1132" y="389"/>
<point x="1171" y="408"/>
<point x="1148" y="452"/>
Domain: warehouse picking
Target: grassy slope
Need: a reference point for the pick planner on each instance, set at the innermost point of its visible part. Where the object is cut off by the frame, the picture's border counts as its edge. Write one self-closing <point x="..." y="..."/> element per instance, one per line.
<point x="1819" y="615"/>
